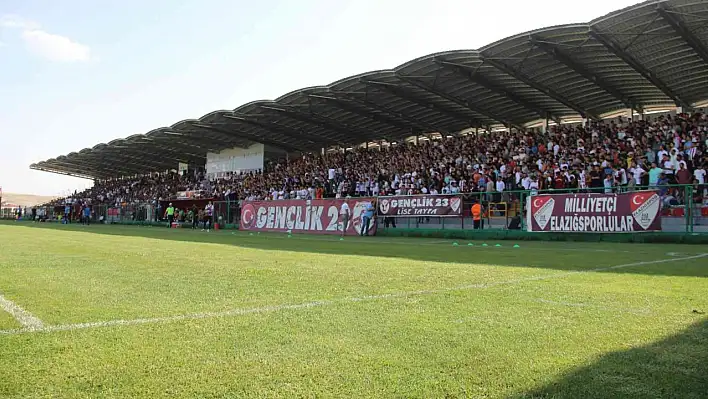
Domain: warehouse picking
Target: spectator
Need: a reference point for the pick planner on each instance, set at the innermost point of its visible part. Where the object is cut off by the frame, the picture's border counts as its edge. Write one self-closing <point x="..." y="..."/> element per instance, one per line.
<point x="565" y="157"/>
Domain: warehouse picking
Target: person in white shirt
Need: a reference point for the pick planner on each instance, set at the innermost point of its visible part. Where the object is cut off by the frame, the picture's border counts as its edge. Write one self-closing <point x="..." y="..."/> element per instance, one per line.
<point x="500" y="186"/>
<point x="621" y="177"/>
<point x="344" y="216"/>
<point x="700" y="175"/>
<point x="661" y="153"/>
<point x="526" y="183"/>
<point x="454" y="189"/>
<point x="668" y="167"/>
<point x="637" y="173"/>
<point x="208" y="216"/>
<point x="533" y="186"/>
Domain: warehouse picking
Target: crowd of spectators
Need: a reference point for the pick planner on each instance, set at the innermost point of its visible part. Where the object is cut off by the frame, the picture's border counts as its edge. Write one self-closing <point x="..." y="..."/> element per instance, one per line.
<point x="607" y="156"/>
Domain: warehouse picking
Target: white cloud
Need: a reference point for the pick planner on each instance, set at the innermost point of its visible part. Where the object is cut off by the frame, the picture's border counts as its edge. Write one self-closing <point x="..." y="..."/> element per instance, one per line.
<point x="55" y="47"/>
<point x="44" y="44"/>
<point x="15" y="21"/>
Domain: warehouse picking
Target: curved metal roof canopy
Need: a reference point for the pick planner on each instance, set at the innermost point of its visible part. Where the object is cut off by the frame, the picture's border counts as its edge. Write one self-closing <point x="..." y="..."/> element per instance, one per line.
<point x="651" y="54"/>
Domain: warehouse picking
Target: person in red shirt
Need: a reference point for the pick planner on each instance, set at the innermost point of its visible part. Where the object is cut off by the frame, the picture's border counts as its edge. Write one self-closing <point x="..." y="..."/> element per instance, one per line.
<point x="683" y="176"/>
<point x="558" y="182"/>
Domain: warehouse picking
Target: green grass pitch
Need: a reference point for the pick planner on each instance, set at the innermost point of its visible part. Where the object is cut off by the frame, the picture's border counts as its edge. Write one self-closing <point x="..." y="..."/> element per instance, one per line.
<point x="138" y="312"/>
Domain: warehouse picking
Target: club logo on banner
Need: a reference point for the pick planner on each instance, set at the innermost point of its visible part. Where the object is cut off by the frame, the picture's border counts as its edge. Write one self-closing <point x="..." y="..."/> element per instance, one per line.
<point x="304" y="216"/>
<point x="594" y="213"/>
<point x="544" y="209"/>
<point x="248" y="216"/>
<point x="420" y="205"/>
<point x="645" y="208"/>
<point x="455" y="203"/>
<point x="384" y="206"/>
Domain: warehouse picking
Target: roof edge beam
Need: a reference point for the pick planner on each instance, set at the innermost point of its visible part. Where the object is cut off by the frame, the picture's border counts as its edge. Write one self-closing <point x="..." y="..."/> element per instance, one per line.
<point x="189" y="136"/>
<point x="402" y="93"/>
<point x="680" y="28"/>
<point x="92" y="168"/>
<point x="216" y="137"/>
<point x="461" y="102"/>
<point x="58" y="172"/>
<point x="472" y="76"/>
<point x="538" y="86"/>
<point x="172" y="147"/>
<point x="615" y="49"/>
<point x="131" y="161"/>
<point x="175" y="155"/>
<point x="283" y="130"/>
<point x="173" y="152"/>
<point x="346" y="105"/>
<point x="559" y="55"/>
<point x="250" y="137"/>
<point x="347" y="132"/>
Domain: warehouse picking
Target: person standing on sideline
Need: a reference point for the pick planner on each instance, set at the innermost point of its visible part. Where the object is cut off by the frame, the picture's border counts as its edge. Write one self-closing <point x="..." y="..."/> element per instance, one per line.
<point x="87" y="215"/>
<point x="477" y="215"/>
<point x="366" y="218"/>
<point x="208" y="214"/>
<point x="344" y="216"/>
<point x="194" y="213"/>
<point x="170" y="213"/>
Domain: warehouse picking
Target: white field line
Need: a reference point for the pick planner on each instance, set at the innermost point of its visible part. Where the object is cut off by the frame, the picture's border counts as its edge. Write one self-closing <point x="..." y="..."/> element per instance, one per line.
<point x="28" y="321"/>
<point x="312" y="304"/>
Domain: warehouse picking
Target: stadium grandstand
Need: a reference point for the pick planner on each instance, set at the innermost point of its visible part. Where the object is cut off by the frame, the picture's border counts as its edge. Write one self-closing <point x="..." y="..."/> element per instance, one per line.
<point x="557" y="108"/>
<point x="525" y="220"/>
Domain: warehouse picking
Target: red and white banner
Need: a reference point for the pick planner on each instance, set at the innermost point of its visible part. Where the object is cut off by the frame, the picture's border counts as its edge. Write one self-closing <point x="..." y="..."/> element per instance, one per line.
<point x="420" y="205"/>
<point x="304" y="216"/>
<point x="594" y="213"/>
<point x="187" y="195"/>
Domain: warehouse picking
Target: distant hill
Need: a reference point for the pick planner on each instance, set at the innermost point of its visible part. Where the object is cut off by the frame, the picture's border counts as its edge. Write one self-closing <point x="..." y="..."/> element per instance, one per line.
<point x="25" y="199"/>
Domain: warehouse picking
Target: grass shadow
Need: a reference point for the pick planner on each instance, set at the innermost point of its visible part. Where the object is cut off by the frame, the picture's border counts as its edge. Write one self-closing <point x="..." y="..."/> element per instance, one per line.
<point x="544" y="255"/>
<point x="676" y="367"/>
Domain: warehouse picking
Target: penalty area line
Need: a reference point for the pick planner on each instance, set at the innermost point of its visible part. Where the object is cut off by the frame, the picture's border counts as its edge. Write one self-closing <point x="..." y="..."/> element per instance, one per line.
<point x="27" y="320"/>
<point x="313" y="304"/>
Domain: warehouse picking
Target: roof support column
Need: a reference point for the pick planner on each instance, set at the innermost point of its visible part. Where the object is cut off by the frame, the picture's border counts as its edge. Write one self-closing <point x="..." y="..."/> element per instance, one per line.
<point x="545" y="126"/>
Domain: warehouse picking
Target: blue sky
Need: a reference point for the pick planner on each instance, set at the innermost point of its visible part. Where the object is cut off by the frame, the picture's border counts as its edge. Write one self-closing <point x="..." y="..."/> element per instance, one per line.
<point x="75" y="73"/>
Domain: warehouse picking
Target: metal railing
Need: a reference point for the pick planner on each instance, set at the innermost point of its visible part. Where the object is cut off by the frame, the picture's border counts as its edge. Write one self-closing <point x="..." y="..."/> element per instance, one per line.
<point x="687" y="213"/>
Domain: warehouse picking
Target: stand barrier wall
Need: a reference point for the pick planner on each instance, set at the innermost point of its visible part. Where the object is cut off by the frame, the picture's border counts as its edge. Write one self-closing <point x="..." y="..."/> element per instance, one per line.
<point x="683" y="212"/>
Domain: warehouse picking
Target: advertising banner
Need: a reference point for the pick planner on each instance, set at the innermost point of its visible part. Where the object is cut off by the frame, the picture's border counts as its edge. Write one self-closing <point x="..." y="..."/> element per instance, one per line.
<point x="304" y="216"/>
<point x="186" y="195"/>
<point x="594" y="213"/>
<point x="113" y="215"/>
<point x="420" y="205"/>
<point x="235" y="160"/>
